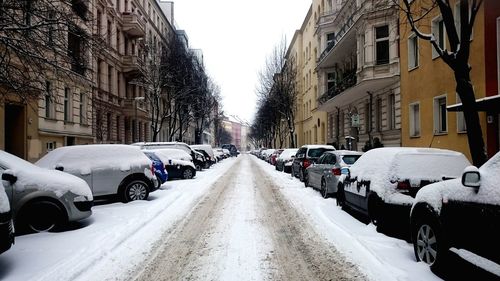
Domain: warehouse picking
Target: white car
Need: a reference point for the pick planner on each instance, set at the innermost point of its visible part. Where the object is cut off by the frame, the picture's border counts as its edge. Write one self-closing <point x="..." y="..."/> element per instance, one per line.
<point x="462" y="214"/>
<point x="285" y="160"/>
<point x="109" y="169"/>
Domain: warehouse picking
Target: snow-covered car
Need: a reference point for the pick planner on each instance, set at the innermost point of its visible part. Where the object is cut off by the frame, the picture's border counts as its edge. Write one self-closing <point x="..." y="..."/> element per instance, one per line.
<point x="177" y="163"/>
<point x="383" y="182"/>
<point x="208" y="149"/>
<point x="462" y="214"/>
<point x="326" y="173"/>
<point x="233" y="151"/>
<point x="274" y="156"/>
<point x="264" y="155"/>
<point x="285" y="160"/>
<point x="196" y="158"/>
<point x="208" y="161"/>
<point x="6" y="224"/>
<point x="307" y="155"/>
<point x="41" y="199"/>
<point x="160" y="172"/>
<point x="219" y="154"/>
<point x="109" y="169"/>
<point x="226" y="152"/>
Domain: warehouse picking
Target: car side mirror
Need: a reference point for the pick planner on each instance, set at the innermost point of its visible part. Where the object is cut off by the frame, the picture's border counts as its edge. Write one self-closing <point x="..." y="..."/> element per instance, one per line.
<point x="60" y="168"/>
<point x="9" y="177"/>
<point x="471" y="179"/>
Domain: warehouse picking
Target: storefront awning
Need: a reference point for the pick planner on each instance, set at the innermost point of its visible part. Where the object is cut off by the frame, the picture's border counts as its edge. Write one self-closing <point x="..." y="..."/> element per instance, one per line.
<point x="489" y="104"/>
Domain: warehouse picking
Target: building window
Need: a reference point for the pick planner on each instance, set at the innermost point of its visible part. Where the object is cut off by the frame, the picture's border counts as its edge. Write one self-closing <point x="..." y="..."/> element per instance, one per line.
<point x="108" y="33"/>
<point x="392" y="111"/>
<point x="439" y="33"/>
<point x="110" y="78"/>
<point x="118" y="41"/>
<point x="83" y="108"/>
<point x="440" y="115"/>
<point x="412" y="51"/>
<point x="48" y="100"/>
<point x="382" y="44"/>
<point x="330" y="83"/>
<point x="461" y="127"/>
<point x="379" y="115"/>
<point x="67" y="105"/>
<point x="415" y="120"/>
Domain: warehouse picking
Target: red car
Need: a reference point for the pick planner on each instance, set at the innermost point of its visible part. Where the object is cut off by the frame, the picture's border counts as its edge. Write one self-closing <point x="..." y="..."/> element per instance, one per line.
<point x="274" y="156"/>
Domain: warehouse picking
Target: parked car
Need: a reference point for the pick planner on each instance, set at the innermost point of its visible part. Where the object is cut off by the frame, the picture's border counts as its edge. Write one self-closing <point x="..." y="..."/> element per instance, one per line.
<point x="325" y="174"/>
<point x="109" y="169"/>
<point x="41" y="199"/>
<point x="208" y="161"/>
<point x="274" y="156"/>
<point x="285" y="160"/>
<point x="383" y="182"/>
<point x="176" y="163"/>
<point x="208" y="150"/>
<point x="226" y="152"/>
<point x="233" y="151"/>
<point x="307" y="155"/>
<point x="6" y="224"/>
<point x="159" y="167"/>
<point x="219" y="154"/>
<point x="197" y="158"/>
<point x="266" y="154"/>
<point x="462" y="214"/>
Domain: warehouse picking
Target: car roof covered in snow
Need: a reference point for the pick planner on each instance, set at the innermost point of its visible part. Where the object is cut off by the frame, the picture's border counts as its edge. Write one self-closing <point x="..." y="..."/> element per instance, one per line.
<point x="43" y="179"/>
<point x="313" y="146"/>
<point x="287" y="153"/>
<point x="383" y="167"/>
<point x="173" y="153"/>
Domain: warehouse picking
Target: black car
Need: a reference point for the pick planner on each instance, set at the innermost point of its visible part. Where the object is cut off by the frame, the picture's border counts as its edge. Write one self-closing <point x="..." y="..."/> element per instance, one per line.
<point x="208" y="162"/>
<point x="232" y="149"/>
<point x="6" y="226"/>
<point x="462" y="214"/>
<point x="307" y="155"/>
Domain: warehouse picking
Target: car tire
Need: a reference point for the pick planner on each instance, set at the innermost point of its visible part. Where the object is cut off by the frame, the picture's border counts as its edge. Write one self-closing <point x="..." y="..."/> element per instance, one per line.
<point x="375" y="210"/>
<point x="324" y="189"/>
<point x="41" y="216"/>
<point x="429" y="242"/>
<point x="135" y="190"/>
<point x="188" y="173"/>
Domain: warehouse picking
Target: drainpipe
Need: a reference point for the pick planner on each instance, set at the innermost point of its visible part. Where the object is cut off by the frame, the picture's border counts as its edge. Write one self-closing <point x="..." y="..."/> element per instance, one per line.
<point x="370" y="109"/>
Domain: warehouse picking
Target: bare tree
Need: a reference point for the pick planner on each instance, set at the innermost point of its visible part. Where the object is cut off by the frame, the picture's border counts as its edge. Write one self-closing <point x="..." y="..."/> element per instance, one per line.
<point x="457" y="57"/>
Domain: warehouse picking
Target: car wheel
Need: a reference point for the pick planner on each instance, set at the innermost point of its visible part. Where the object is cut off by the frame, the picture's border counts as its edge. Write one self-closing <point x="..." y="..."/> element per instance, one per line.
<point x="429" y="244"/>
<point x="135" y="190"/>
<point x="188" y="173"/>
<point x="41" y="216"/>
<point x="341" y="198"/>
<point x="324" y="189"/>
<point x="375" y="210"/>
<point x="198" y="167"/>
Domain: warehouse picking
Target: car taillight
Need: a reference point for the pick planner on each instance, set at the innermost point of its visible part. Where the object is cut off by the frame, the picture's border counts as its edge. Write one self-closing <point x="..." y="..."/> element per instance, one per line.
<point x="336" y="171"/>
<point x="152" y="169"/>
<point x="403" y="186"/>
<point x="306" y="163"/>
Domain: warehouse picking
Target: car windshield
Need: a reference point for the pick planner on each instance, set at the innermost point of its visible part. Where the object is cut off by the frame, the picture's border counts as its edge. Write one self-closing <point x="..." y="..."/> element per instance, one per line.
<point x="350" y="159"/>
<point x="317" y="152"/>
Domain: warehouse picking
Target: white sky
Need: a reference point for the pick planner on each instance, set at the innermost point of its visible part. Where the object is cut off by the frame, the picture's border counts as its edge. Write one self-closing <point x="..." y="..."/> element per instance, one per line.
<point x="236" y="37"/>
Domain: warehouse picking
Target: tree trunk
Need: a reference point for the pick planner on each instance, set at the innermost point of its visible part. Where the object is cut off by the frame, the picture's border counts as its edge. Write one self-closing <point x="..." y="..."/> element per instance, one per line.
<point x="471" y="116"/>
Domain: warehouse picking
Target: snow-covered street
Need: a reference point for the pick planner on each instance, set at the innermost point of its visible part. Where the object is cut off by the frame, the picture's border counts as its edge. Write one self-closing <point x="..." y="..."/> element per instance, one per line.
<point x="239" y="220"/>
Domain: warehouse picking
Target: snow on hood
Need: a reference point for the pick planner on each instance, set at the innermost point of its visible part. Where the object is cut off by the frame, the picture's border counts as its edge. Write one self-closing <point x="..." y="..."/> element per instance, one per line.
<point x="84" y="158"/>
<point x="383" y="167"/>
<point x="4" y="201"/>
<point x="31" y="176"/>
<point x="453" y="190"/>
<point x="288" y="153"/>
<point x="166" y="158"/>
<point x="206" y="147"/>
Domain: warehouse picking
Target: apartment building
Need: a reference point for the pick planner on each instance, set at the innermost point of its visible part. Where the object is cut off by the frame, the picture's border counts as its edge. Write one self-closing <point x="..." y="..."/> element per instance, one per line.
<point x="132" y="31"/>
<point x="310" y="123"/>
<point x="431" y="111"/>
<point x="358" y="72"/>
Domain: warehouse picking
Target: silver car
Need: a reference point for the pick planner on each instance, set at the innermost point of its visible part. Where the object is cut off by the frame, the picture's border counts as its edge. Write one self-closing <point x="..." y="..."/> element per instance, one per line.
<point x="326" y="173"/>
<point x="109" y="169"/>
<point x="40" y="199"/>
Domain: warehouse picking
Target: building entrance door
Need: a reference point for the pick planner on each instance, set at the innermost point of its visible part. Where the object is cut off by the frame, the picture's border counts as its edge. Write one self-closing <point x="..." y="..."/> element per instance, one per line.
<point x="15" y="131"/>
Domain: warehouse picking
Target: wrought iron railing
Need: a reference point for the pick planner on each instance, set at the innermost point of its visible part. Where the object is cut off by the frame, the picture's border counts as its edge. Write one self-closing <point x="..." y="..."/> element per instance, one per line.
<point x="349" y="80"/>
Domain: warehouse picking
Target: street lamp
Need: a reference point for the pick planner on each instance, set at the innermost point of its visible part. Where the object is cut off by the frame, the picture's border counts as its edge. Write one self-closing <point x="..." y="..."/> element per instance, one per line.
<point x="136" y="133"/>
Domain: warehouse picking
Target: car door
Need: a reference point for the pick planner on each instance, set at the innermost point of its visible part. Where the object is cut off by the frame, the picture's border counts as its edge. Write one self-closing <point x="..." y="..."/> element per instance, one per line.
<point x="299" y="157"/>
<point x="329" y="164"/>
<point x="315" y="170"/>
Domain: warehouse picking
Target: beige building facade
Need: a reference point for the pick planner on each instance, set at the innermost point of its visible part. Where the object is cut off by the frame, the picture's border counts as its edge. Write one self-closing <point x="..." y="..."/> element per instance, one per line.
<point x="358" y="72"/>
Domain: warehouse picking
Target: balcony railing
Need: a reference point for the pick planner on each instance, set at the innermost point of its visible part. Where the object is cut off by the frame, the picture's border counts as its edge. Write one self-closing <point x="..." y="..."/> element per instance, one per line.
<point x="349" y="80"/>
<point x="340" y="34"/>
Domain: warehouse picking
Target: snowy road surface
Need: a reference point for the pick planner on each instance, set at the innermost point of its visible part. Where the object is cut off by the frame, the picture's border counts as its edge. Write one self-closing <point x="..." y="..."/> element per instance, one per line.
<point x="239" y="220"/>
<point x="245" y="230"/>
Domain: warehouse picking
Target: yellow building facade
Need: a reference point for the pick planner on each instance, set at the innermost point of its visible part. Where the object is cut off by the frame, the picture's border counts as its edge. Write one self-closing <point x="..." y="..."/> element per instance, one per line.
<point x="428" y="87"/>
<point x="310" y="123"/>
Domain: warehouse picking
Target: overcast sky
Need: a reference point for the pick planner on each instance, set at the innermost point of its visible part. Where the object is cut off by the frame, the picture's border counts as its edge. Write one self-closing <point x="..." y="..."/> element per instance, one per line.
<point x="236" y="37"/>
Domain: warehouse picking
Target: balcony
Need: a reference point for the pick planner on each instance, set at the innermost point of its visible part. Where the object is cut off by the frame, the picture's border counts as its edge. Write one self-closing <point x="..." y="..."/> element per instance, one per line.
<point x="343" y="42"/>
<point x="133" y="25"/>
<point x="131" y="65"/>
<point x="347" y="82"/>
<point x="135" y="108"/>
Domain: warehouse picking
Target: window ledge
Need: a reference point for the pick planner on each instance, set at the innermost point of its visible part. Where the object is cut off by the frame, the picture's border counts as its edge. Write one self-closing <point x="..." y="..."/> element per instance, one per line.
<point x="462" y="132"/>
<point x="415" y="137"/>
<point x="410" y="69"/>
<point x="440" y="133"/>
